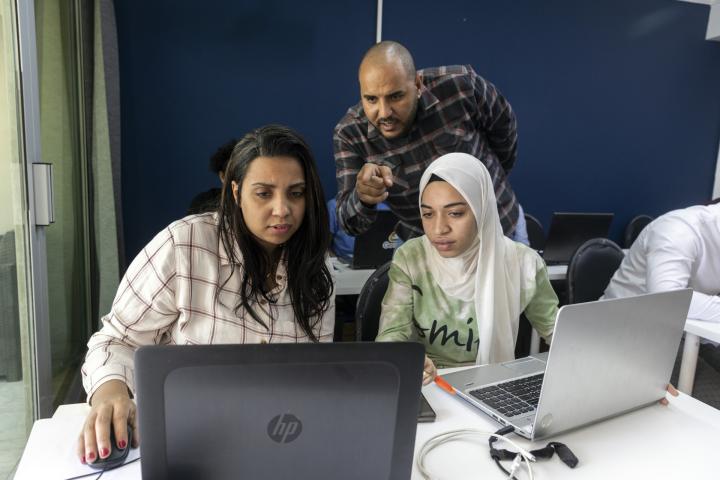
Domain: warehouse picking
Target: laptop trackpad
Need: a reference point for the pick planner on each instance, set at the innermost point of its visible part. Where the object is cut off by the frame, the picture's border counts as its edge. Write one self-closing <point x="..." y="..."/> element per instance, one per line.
<point x="525" y="366"/>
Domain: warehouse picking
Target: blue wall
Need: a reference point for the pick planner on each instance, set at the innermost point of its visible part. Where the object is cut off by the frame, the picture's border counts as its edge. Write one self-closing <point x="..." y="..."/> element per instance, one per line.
<point x="617" y="100"/>
<point x="195" y="74"/>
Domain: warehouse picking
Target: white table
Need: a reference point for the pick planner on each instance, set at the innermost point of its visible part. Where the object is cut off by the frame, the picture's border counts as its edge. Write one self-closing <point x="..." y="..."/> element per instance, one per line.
<point x="50" y="451"/>
<point x="350" y="282"/>
<point x="694" y="331"/>
<point x="557" y="272"/>
<point x="347" y="280"/>
<point x="678" y="441"/>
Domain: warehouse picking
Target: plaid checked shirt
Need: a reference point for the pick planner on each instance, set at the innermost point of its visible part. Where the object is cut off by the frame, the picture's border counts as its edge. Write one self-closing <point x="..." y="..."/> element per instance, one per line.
<point x="168" y="296"/>
<point x="458" y="111"/>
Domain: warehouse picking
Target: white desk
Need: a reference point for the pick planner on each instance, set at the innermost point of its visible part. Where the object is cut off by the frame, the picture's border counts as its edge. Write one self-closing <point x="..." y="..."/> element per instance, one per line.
<point x="50" y="451"/>
<point x="694" y="330"/>
<point x="350" y="282"/>
<point x="557" y="272"/>
<point x="678" y="441"/>
<point x="347" y="280"/>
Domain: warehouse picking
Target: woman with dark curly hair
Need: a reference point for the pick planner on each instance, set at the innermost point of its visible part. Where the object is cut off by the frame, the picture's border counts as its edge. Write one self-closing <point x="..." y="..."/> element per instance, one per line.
<point x="255" y="271"/>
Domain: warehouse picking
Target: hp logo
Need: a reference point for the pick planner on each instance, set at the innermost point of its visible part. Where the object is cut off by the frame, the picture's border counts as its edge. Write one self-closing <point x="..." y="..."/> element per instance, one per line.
<point x="284" y="428"/>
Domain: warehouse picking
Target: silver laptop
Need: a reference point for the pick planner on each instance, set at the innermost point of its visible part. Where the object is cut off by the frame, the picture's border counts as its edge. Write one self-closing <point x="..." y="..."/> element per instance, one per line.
<point x="607" y="358"/>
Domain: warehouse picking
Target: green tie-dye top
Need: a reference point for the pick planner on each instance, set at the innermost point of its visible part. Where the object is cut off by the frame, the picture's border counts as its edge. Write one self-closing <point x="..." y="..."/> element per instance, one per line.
<point x="415" y="308"/>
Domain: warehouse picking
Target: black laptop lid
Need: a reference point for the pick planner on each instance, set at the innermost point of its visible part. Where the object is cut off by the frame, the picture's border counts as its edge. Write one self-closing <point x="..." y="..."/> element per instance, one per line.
<point x="278" y="411"/>
<point x="375" y="246"/>
<point x="570" y="230"/>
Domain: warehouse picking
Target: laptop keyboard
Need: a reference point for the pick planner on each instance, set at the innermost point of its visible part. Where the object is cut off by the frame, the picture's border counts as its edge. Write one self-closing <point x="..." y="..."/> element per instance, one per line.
<point x="514" y="397"/>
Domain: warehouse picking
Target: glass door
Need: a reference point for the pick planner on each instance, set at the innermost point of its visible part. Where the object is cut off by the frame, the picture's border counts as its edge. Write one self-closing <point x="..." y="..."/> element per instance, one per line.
<point x="63" y="144"/>
<point x="56" y="270"/>
<point x="18" y="395"/>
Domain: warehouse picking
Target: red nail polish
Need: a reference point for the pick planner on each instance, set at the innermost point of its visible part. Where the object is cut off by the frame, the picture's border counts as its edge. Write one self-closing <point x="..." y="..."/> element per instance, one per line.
<point x="122" y="444"/>
<point x="83" y="460"/>
<point x="104" y="452"/>
<point x="91" y="456"/>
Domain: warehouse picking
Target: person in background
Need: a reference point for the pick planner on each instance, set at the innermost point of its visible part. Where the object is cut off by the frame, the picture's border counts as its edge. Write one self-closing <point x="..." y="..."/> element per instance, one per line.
<point x="254" y="271"/>
<point x="209" y="200"/>
<point x="460" y="288"/>
<point x="343" y="246"/>
<point x="405" y="120"/>
<point x="680" y="249"/>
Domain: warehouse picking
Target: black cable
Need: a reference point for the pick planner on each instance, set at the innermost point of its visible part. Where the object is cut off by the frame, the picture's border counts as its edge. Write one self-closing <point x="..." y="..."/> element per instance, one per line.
<point x="86" y="475"/>
<point x="100" y="473"/>
<point x="497" y="462"/>
<point x="566" y="455"/>
<point x="501" y="454"/>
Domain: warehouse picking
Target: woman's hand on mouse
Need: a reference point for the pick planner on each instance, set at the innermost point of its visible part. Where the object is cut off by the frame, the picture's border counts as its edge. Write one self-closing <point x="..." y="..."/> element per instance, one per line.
<point x="110" y="405"/>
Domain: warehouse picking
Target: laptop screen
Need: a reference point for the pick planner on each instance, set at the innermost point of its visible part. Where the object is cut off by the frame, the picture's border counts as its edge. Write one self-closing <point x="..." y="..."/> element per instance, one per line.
<point x="279" y="411"/>
<point x="376" y="246"/>
<point x="570" y="230"/>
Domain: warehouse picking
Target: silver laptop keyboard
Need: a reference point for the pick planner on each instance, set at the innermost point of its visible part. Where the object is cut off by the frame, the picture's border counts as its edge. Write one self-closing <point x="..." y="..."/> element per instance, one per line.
<point x="514" y="397"/>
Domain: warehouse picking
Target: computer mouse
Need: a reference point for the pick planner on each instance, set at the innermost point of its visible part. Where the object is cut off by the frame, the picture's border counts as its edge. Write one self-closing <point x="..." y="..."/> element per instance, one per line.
<point x="117" y="455"/>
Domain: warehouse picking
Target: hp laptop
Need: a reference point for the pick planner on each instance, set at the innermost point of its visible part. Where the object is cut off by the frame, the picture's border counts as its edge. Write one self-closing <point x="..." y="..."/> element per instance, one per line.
<point x="607" y="358"/>
<point x="570" y="230"/>
<point x="375" y="247"/>
<point x="213" y="412"/>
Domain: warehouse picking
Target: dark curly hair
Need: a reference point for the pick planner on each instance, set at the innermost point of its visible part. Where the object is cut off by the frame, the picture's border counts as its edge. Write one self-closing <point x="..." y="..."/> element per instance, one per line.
<point x="308" y="278"/>
<point x="221" y="157"/>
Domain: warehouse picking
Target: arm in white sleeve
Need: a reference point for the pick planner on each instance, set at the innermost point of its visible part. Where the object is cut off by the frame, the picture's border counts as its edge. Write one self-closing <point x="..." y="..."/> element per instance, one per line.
<point x="671" y="257"/>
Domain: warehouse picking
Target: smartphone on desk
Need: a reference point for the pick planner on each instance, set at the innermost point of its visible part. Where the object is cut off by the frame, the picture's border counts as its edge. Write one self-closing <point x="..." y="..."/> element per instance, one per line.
<point x="425" y="413"/>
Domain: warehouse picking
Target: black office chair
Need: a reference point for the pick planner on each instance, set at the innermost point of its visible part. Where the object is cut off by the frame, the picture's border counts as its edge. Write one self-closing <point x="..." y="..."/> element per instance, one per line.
<point x="535" y="232"/>
<point x="369" y="305"/>
<point x="591" y="267"/>
<point x="634" y="227"/>
<point x="524" y="336"/>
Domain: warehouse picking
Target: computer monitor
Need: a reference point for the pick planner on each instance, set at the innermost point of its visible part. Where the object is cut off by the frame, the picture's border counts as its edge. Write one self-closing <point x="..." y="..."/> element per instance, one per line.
<point x="376" y="246"/>
<point x="570" y="230"/>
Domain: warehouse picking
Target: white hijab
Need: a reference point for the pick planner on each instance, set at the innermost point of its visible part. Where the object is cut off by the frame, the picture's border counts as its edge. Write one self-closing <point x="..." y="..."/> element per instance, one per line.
<point x="489" y="272"/>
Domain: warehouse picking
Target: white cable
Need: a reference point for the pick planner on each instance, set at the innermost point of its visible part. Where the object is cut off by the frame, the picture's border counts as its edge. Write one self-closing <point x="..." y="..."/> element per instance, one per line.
<point x="517" y="461"/>
<point x="454" y="435"/>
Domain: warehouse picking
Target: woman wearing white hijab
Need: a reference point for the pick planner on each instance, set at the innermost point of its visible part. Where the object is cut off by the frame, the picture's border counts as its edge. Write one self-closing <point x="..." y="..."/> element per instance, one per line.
<point x="460" y="288"/>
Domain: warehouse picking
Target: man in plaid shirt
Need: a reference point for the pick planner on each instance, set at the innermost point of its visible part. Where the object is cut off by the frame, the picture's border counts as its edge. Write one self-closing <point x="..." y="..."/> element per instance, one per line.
<point x="404" y="121"/>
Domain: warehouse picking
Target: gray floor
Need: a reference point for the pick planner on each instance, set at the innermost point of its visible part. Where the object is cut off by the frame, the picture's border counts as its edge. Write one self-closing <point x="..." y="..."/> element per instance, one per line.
<point x="13" y="433"/>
